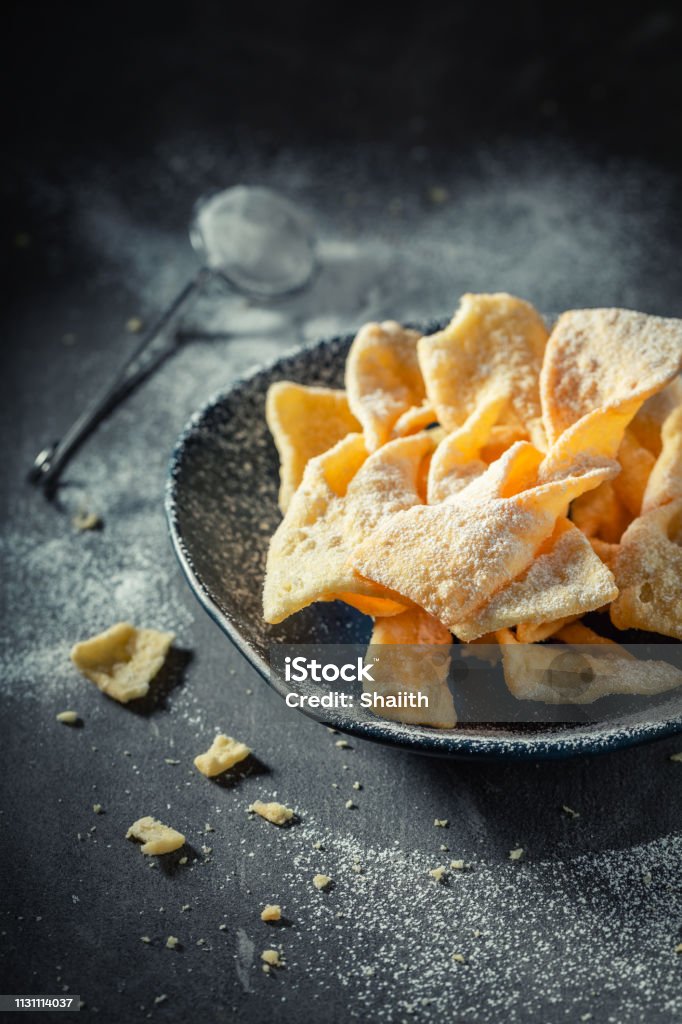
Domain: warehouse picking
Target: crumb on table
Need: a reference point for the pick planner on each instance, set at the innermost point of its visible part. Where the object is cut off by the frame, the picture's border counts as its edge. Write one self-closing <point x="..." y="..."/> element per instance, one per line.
<point x="277" y="813"/>
<point x="155" y="837"/>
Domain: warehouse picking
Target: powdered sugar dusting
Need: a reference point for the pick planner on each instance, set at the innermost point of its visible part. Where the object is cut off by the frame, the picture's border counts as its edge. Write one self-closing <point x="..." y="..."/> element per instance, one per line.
<point x="501" y="916"/>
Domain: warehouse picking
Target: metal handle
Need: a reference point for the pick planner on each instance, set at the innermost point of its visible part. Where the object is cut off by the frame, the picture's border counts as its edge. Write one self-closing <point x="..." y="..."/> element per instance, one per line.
<point x="51" y="460"/>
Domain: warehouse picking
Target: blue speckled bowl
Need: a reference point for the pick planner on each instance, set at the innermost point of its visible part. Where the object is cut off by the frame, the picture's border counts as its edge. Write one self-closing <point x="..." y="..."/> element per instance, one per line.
<point x="221" y="504"/>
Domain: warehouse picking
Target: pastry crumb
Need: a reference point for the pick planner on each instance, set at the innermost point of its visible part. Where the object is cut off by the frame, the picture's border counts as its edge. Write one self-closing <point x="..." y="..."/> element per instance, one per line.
<point x="350" y="805"/>
<point x="277" y="813"/>
<point x="172" y="942"/>
<point x="676" y="757"/>
<point x="134" y="324"/>
<point x="356" y="785"/>
<point x="86" y="521"/>
<point x="171" y="760"/>
<point x="223" y="754"/>
<point x="438" y="873"/>
<point x="321" y="881"/>
<point x="161" y="999"/>
<point x="67" y="717"/>
<point x="123" y="660"/>
<point x="458" y="958"/>
<point x="271" y="912"/>
<point x="516" y="854"/>
<point x="441" y="822"/>
<point x="271" y="957"/>
<point x="155" y="837"/>
<point x="569" y="811"/>
<point x="98" y="809"/>
<point x="145" y="939"/>
<point x="458" y="865"/>
<point x="343" y="744"/>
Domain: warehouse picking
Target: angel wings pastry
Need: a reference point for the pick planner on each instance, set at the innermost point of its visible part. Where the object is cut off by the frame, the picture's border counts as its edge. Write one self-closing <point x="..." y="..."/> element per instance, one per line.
<point x="491" y="480"/>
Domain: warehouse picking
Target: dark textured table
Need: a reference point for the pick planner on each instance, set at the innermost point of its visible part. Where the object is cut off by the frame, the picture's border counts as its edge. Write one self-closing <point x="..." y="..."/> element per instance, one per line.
<point x="537" y="201"/>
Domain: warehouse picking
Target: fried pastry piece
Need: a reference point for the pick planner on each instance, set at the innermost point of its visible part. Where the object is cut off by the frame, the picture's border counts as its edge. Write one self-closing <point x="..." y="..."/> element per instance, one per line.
<point x="408" y="654"/>
<point x="581" y="674"/>
<point x="384" y="383"/>
<point x="536" y="632"/>
<point x="304" y="422"/>
<point x="343" y="497"/>
<point x="648" y="423"/>
<point x="636" y="464"/>
<point x="492" y="348"/>
<point x="665" y="481"/>
<point x="566" y="579"/>
<point x="607" y="552"/>
<point x="596" y="436"/>
<point x="457" y="459"/>
<point x="599" y="359"/>
<point x="513" y="472"/>
<point x="601" y="515"/>
<point x="502" y="437"/>
<point x="648" y="571"/>
<point x="413" y="626"/>
<point x="579" y="633"/>
<point x="469" y="549"/>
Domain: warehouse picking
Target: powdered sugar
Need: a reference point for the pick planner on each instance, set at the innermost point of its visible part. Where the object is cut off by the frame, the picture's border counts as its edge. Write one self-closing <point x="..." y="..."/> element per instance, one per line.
<point x="601" y="358"/>
<point x="503" y="918"/>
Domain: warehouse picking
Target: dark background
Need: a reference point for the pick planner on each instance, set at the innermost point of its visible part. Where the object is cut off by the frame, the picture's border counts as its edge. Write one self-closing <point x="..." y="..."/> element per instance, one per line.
<point x="120" y="77"/>
<point x="113" y="85"/>
<point x="555" y="131"/>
